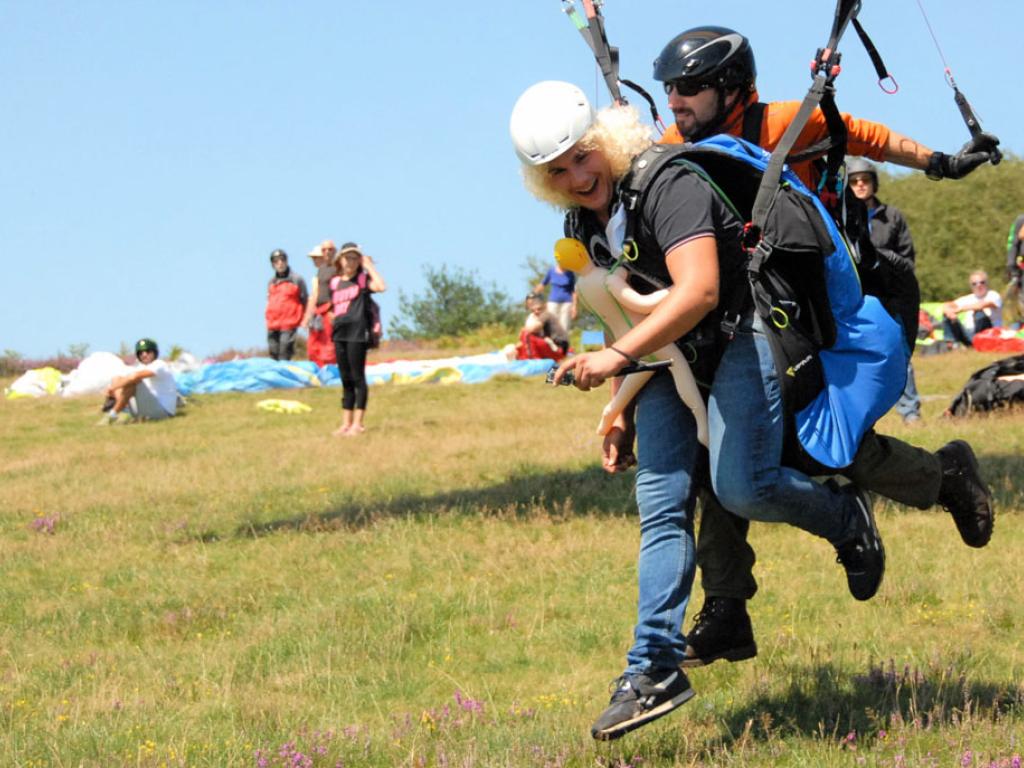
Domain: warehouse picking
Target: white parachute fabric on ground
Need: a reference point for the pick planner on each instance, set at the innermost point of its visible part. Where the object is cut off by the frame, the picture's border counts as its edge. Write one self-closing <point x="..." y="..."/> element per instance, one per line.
<point x="93" y="374"/>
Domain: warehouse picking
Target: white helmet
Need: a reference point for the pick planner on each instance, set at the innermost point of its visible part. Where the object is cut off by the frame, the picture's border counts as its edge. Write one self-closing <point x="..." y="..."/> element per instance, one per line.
<point x="548" y="119"/>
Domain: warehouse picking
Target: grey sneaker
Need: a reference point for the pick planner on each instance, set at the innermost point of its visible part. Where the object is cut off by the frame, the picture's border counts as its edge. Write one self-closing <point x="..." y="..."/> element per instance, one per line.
<point x="862" y="555"/>
<point x="964" y="494"/>
<point x="639" y="699"/>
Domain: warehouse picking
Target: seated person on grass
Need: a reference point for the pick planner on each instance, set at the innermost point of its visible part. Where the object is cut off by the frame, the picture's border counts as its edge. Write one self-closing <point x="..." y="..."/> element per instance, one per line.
<point x="984" y="304"/>
<point x="542" y="335"/>
<point x="147" y="393"/>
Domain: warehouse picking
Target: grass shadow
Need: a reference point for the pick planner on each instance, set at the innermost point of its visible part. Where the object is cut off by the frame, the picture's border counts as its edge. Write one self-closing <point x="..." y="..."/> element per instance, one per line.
<point x="823" y="701"/>
<point x="588" y="491"/>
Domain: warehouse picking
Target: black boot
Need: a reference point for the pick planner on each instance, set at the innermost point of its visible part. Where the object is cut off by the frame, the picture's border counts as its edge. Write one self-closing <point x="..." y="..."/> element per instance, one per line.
<point x="964" y="494"/>
<point x="720" y="631"/>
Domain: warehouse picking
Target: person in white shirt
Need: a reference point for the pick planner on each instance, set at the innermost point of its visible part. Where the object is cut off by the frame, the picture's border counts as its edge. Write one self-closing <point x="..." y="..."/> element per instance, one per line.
<point x="148" y="392"/>
<point x="984" y="305"/>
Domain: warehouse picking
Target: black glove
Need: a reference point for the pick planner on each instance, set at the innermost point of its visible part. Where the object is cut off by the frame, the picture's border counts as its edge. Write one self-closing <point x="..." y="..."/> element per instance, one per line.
<point x="978" y="151"/>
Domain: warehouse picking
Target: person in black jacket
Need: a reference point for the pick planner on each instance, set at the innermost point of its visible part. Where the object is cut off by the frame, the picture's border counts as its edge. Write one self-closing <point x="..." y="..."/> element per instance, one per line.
<point x="1014" y="302"/>
<point x="891" y="277"/>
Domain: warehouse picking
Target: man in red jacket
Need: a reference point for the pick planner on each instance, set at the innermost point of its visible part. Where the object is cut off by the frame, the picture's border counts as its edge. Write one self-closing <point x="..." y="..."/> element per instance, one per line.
<point x="286" y="304"/>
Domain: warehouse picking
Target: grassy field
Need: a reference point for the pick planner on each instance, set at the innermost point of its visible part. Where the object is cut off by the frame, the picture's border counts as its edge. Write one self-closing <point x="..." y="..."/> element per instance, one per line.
<point x="456" y="587"/>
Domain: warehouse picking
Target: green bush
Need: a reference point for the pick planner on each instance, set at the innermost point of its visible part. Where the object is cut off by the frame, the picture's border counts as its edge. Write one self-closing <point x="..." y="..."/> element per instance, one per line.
<point x="454" y="304"/>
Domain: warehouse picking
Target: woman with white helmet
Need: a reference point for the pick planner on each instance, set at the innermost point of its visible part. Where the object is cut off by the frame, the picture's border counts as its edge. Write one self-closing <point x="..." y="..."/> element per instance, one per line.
<point x="687" y="239"/>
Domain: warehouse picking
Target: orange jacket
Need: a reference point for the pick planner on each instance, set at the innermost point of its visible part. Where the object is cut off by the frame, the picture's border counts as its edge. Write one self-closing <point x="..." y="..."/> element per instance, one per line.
<point x="865" y="138"/>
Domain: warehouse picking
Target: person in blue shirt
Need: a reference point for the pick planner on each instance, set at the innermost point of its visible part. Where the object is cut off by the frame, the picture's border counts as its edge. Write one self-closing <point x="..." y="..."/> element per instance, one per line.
<point x="562" y="299"/>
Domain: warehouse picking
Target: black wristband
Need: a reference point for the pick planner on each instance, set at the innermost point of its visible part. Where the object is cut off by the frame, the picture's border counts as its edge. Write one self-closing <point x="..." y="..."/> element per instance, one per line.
<point x="630" y="358"/>
<point x="934" y="171"/>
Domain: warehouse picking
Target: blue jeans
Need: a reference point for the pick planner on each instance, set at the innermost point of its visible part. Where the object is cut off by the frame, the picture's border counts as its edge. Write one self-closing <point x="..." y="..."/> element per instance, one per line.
<point x="746" y="431"/>
<point x="667" y="458"/>
<point x="909" y="404"/>
<point x="745" y="421"/>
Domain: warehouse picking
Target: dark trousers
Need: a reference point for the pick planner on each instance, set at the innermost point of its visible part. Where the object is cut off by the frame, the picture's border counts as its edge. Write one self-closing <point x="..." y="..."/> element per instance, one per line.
<point x="352" y="367"/>
<point x="281" y="343"/>
<point x="953" y="330"/>
<point x="883" y="465"/>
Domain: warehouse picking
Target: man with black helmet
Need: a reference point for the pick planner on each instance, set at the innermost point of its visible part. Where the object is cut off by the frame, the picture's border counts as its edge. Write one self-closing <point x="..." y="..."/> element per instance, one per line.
<point x="710" y="78"/>
<point x="286" y="306"/>
<point x="147" y="393"/>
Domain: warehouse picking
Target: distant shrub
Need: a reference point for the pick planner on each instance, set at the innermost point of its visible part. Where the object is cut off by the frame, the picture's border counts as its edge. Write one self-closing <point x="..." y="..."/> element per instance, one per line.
<point x="13" y="364"/>
<point x="454" y="304"/>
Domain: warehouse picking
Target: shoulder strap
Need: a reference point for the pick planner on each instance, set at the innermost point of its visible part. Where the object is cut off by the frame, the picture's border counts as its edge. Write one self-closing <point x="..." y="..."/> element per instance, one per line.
<point x="644" y="168"/>
<point x="821" y="93"/>
<point x="634" y="185"/>
<point x="753" y="120"/>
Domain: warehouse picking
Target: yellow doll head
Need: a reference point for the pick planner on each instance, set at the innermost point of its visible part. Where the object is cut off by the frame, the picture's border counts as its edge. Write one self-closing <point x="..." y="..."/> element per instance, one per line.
<point x="571" y="254"/>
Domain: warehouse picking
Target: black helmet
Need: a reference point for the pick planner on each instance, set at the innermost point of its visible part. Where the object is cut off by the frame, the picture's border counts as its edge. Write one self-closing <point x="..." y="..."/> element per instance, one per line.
<point x="860" y="165"/>
<point x="146" y="345"/>
<point x="277" y="253"/>
<point x="708" y="55"/>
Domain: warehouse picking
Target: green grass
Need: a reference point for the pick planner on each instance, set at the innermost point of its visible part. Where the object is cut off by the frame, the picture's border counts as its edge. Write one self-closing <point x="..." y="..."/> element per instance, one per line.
<point x="457" y="588"/>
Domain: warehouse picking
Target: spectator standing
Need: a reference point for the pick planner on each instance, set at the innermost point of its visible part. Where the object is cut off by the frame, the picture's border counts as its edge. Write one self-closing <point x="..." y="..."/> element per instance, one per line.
<point x="147" y="393"/>
<point x="357" y="277"/>
<point x="984" y="305"/>
<point x="1015" y="271"/>
<point x="318" y="317"/>
<point x="562" y="298"/>
<point x="286" y="304"/>
<point x="891" y="277"/>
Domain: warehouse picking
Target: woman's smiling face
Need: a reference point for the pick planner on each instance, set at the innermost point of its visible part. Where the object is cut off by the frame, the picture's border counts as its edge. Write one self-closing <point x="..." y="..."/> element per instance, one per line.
<point x="584" y="176"/>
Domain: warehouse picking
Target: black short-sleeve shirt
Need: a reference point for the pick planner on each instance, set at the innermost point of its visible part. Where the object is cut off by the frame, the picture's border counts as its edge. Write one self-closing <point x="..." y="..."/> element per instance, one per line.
<point x="681" y="206"/>
<point x="678" y="206"/>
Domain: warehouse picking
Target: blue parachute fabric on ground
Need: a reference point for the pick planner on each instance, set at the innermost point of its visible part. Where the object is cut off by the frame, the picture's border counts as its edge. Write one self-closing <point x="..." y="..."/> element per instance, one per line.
<point x="474" y="374"/>
<point x="259" y="374"/>
<point x="865" y="370"/>
<point x="331" y="377"/>
<point x="251" y="375"/>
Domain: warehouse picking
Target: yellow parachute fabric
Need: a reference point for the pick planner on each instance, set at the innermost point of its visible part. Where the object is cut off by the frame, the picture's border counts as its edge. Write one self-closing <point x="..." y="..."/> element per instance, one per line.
<point x="35" y="383"/>
<point x="283" y="406"/>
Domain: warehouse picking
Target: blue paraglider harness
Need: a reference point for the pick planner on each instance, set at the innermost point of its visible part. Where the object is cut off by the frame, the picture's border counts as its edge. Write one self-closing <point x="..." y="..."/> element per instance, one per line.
<point x="839" y="355"/>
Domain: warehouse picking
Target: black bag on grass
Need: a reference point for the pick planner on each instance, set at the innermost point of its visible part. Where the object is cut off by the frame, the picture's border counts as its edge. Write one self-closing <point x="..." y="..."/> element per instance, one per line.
<point x="1000" y="385"/>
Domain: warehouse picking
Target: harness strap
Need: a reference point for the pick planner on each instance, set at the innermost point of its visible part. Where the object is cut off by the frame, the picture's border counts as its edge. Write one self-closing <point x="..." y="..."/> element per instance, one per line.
<point x="649" y="99"/>
<point x="753" y="119"/>
<point x="826" y="70"/>
<point x="876" y="58"/>
<point x="607" y="56"/>
<point x="770" y="180"/>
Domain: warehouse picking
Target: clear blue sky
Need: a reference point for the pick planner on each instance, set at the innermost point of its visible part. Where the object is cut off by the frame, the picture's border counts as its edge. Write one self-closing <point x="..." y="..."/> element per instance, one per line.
<point x="153" y="154"/>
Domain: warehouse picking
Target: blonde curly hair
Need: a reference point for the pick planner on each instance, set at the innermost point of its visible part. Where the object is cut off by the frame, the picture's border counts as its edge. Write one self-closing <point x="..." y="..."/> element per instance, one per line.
<point x="617" y="133"/>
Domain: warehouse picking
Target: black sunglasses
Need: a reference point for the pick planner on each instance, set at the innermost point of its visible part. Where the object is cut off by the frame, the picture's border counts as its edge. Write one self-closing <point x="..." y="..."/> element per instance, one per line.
<point x="686" y="87"/>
